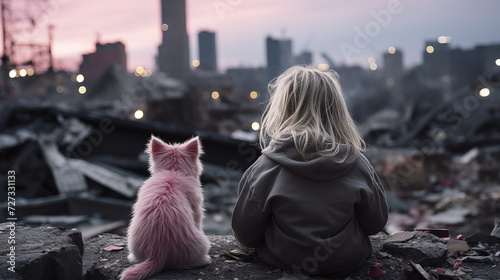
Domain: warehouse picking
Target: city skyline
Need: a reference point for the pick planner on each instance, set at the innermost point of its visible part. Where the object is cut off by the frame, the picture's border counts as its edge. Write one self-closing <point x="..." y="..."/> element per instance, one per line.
<point x="349" y="33"/>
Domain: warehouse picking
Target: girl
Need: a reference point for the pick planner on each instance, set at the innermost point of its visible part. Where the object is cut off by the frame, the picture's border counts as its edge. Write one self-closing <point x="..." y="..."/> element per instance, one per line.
<point x="310" y="201"/>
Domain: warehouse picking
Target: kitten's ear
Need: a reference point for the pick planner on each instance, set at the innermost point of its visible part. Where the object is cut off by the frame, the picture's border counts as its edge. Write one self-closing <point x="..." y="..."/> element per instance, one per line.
<point x="155" y="145"/>
<point x="193" y="147"/>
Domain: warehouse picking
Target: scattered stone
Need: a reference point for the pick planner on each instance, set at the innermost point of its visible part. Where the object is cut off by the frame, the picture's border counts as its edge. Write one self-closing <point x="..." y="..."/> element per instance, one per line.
<point x="482" y="237"/>
<point x="401" y="236"/>
<point x="485" y="259"/>
<point x="496" y="230"/>
<point x="455" y="246"/>
<point x="423" y="248"/>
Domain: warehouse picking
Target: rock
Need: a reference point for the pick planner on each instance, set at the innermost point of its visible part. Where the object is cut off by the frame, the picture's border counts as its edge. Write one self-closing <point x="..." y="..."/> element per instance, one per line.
<point x="42" y="253"/>
<point x="457" y="246"/>
<point x="401" y="236"/>
<point x="482" y="237"/>
<point x="100" y="264"/>
<point x="496" y="230"/>
<point x="423" y="248"/>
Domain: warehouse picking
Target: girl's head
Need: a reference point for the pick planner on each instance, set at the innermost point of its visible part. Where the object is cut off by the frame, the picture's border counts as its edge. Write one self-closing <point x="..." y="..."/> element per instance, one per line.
<point x="307" y="104"/>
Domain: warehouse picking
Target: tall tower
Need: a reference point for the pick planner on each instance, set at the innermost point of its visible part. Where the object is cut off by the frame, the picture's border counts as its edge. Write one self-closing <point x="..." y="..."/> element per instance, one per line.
<point x="279" y="56"/>
<point x="208" y="54"/>
<point x="393" y="64"/>
<point x="173" y="53"/>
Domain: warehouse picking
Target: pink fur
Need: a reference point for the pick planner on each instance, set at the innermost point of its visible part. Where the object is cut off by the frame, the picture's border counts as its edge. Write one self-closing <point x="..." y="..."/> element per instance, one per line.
<point x="165" y="231"/>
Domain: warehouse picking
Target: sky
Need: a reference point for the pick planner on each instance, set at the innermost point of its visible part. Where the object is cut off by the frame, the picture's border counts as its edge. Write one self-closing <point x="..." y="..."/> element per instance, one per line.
<point x="348" y="31"/>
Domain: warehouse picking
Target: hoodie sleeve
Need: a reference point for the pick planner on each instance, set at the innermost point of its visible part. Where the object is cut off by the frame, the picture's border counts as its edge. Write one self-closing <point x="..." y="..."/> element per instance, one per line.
<point x="249" y="220"/>
<point x="372" y="210"/>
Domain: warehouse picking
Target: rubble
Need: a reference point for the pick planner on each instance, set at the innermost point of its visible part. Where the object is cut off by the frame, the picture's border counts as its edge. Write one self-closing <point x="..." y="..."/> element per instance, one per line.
<point x="105" y="257"/>
<point x="42" y="253"/>
<point x="77" y="166"/>
<point x="419" y="247"/>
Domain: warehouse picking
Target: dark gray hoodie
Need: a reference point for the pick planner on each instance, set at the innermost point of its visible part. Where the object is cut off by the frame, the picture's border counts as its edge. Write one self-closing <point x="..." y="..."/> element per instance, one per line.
<point x="309" y="216"/>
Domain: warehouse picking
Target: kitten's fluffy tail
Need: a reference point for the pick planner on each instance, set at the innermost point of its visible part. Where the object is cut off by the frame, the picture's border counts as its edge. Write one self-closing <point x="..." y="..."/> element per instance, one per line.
<point x="142" y="270"/>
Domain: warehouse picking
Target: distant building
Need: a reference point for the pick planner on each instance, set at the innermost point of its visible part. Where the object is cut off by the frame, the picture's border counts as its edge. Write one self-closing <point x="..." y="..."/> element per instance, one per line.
<point x="437" y="62"/>
<point x="207" y="50"/>
<point x="247" y="80"/>
<point x="304" y="58"/>
<point x="456" y="67"/>
<point x="393" y="65"/>
<point x="173" y="53"/>
<point x="279" y="56"/>
<point x="104" y="56"/>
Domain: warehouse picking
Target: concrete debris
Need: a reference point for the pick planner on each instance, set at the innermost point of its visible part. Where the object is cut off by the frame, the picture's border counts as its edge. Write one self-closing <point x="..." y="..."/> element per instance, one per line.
<point x="105" y="257"/>
<point x="67" y="178"/>
<point x="44" y="253"/>
<point x="480" y="237"/>
<point x="484" y="259"/>
<point x="125" y="183"/>
<point x="70" y="163"/>
<point x="429" y="188"/>
<point x="419" y="247"/>
<point x="496" y="230"/>
<point x="455" y="246"/>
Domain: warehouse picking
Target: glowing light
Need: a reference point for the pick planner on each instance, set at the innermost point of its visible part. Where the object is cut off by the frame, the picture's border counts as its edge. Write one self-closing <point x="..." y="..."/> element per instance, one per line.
<point x="485" y="92"/>
<point x="391" y="50"/>
<point x="254" y="94"/>
<point x="60" y="89"/>
<point x="497" y="62"/>
<point x="206" y="94"/>
<point x="444" y="39"/>
<point x="23" y="72"/>
<point x="371" y="60"/>
<point x="323" y="67"/>
<point x="215" y="95"/>
<point x="429" y="49"/>
<point x="148" y="73"/>
<point x="80" y="78"/>
<point x="139" y="114"/>
<point x="196" y="63"/>
<point x="139" y="70"/>
<point x="373" y="66"/>
<point x="31" y="72"/>
<point x="164" y="27"/>
<point x="13" y="73"/>
<point x="82" y="90"/>
<point x="255" y="126"/>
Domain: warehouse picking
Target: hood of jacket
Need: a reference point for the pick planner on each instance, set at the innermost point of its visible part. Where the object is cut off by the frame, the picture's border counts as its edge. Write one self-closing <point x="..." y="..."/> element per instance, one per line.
<point x="317" y="167"/>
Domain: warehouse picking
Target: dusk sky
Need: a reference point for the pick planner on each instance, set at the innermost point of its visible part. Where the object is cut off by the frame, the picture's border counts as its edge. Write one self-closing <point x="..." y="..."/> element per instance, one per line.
<point x="241" y="26"/>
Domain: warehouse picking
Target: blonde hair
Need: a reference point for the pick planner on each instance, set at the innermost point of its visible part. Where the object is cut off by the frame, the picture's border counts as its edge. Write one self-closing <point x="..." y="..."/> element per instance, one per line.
<point x="307" y="104"/>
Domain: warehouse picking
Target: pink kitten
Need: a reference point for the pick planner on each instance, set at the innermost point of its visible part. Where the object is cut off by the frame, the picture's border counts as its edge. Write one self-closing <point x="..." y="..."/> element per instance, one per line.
<point x="165" y="231"/>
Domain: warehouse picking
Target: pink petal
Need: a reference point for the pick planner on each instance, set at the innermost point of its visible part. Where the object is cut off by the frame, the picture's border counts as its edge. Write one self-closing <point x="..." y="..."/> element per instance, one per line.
<point x="113" y="248"/>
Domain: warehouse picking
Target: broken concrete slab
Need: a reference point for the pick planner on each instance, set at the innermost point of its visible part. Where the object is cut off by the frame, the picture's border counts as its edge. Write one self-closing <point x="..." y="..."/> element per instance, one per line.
<point x="423" y="248"/>
<point x="455" y="246"/>
<point x="42" y="253"/>
<point x="482" y="237"/>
